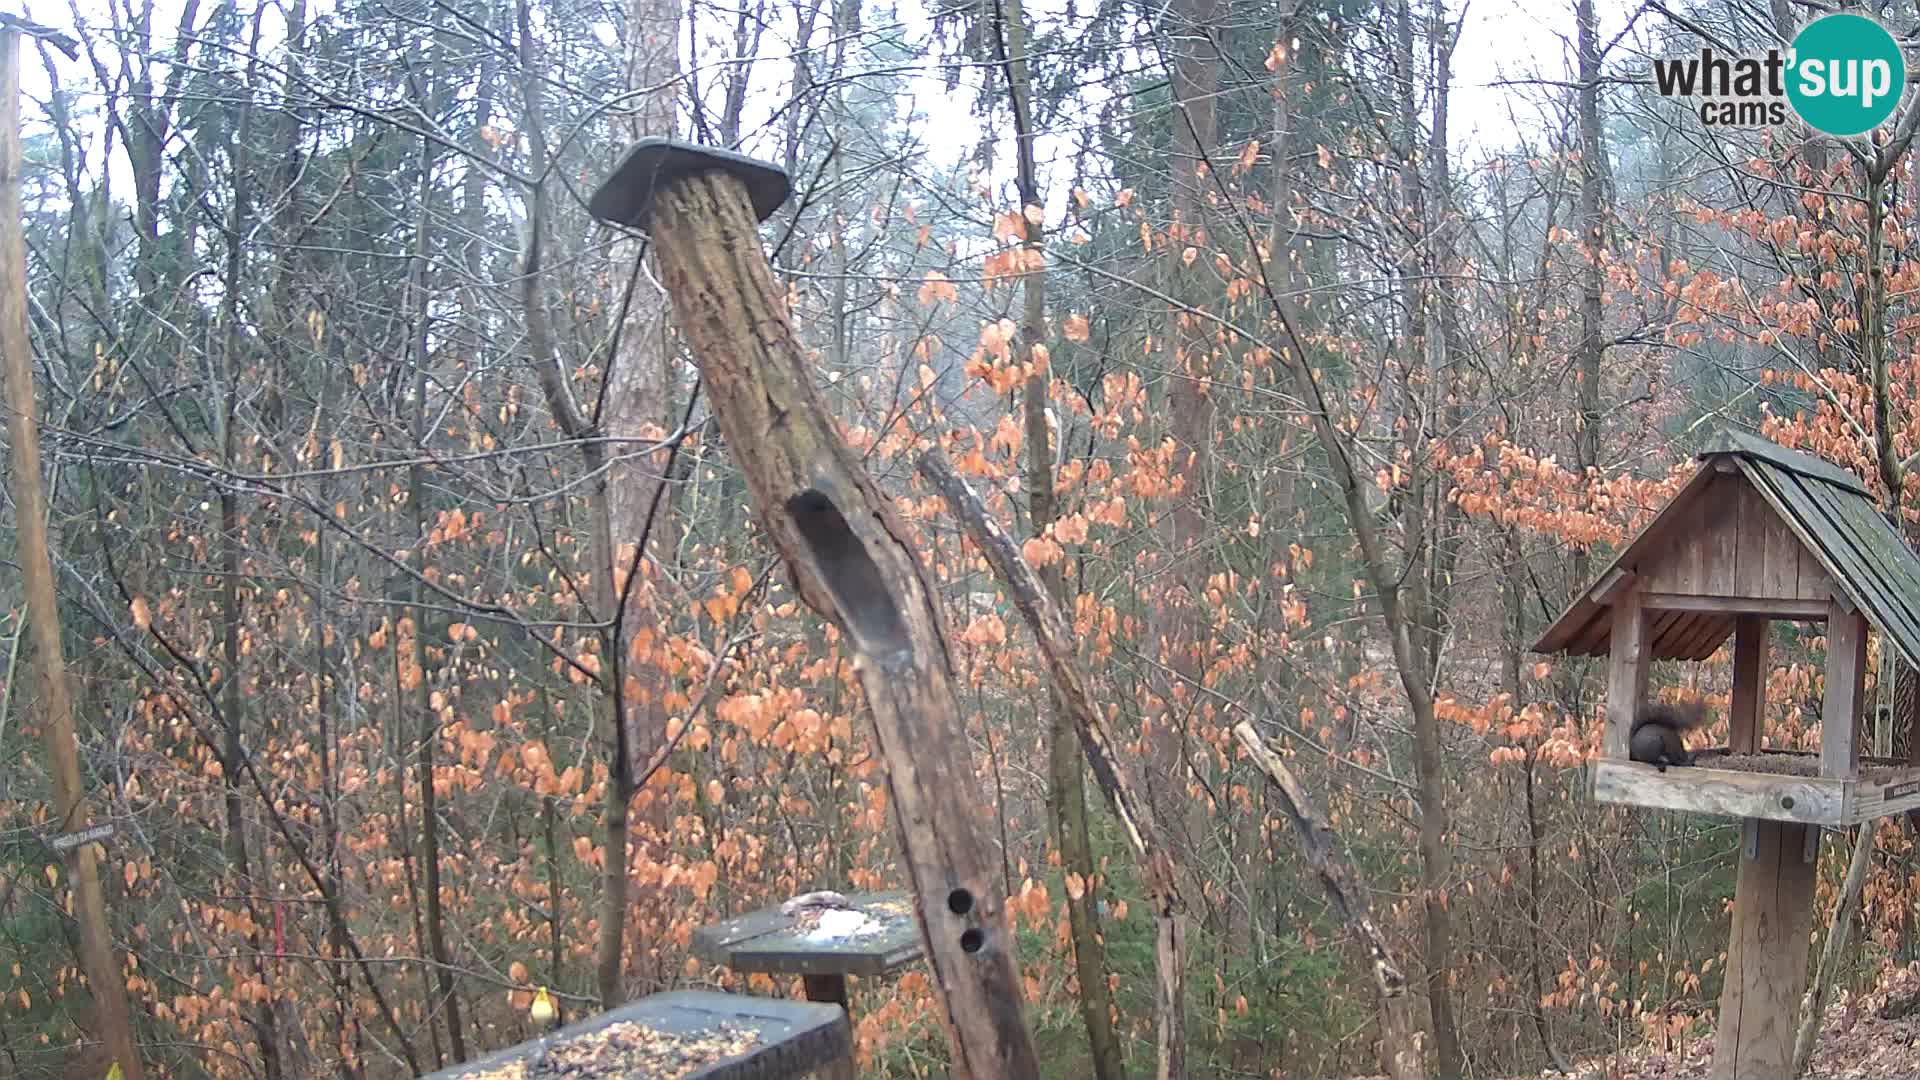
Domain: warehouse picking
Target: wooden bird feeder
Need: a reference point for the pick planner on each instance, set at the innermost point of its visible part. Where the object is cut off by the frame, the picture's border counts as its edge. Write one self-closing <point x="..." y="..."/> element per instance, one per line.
<point x="1759" y="533"/>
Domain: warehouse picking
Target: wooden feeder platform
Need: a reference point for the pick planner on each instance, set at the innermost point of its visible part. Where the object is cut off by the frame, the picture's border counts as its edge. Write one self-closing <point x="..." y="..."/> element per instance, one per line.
<point x="787" y="1039"/>
<point x="769" y="941"/>
<point x="887" y="936"/>
<point x="1759" y="533"/>
<point x="1885" y="787"/>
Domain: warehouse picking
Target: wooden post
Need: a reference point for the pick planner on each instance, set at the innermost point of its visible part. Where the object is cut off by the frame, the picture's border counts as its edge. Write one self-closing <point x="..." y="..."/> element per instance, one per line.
<point x="1626" y="673"/>
<point x="105" y="980"/>
<point x="1766" y="955"/>
<point x="1846" y="685"/>
<point x="1749" y="683"/>
<point x="852" y="560"/>
<point x="831" y="989"/>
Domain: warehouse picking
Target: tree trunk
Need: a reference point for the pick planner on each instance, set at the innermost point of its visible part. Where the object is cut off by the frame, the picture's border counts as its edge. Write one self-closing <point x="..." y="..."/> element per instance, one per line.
<point x="232" y="710"/>
<point x="1415" y="614"/>
<point x="1177" y="628"/>
<point x="1514" y="604"/>
<point x="1838" y="930"/>
<point x="852" y="560"/>
<point x="1593" y="223"/>
<point x="1066" y="796"/>
<point x="602" y="600"/>
<point x="104" y="975"/>
<point x="639" y="383"/>
<point x="446" y="1000"/>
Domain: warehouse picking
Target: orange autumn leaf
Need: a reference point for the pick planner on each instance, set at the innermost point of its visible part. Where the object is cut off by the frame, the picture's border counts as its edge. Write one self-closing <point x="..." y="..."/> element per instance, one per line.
<point x="936" y="287"/>
<point x="1041" y="552"/>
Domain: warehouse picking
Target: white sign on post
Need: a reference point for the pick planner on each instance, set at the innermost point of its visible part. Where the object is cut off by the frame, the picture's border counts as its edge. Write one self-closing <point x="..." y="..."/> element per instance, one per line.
<point x="66" y="842"/>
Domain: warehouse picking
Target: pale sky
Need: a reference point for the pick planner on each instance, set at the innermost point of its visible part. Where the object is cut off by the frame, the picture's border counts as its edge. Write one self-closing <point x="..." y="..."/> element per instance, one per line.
<point x="1501" y="40"/>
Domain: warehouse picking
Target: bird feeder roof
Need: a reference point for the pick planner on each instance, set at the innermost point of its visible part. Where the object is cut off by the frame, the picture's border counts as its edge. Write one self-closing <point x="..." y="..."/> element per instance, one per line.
<point x="1758" y="530"/>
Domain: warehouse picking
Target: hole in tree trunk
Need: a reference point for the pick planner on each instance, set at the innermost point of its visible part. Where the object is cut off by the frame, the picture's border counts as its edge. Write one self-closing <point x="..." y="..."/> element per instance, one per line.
<point x="850" y="573"/>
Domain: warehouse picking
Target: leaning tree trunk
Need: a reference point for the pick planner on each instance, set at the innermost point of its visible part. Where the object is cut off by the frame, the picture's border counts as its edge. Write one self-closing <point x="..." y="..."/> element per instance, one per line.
<point x="97" y="954"/>
<point x="852" y="560"/>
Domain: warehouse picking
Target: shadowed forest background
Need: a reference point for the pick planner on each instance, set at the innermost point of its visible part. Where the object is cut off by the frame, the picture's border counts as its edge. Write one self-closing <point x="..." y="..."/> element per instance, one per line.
<point x="425" y="651"/>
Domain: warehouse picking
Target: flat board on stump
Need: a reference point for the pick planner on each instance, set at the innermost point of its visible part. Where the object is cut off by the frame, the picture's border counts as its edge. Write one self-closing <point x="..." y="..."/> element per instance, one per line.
<point x="767" y="940"/>
<point x="793" y="1038"/>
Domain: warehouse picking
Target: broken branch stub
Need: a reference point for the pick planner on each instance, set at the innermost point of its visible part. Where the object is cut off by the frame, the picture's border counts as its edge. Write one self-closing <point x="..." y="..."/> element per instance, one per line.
<point x="843" y="542"/>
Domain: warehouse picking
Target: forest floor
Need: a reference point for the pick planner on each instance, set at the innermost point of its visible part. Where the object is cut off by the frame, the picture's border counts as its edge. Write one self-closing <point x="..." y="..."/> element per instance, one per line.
<point x="1874" y="1034"/>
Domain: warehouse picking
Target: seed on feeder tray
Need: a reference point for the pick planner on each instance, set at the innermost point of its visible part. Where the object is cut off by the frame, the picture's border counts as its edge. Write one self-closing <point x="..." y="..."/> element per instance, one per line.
<point x="634" y="1049"/>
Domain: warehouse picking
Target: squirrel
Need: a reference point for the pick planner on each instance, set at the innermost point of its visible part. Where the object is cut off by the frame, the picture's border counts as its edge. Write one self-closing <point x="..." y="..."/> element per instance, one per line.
<point x="1657" y="732"/>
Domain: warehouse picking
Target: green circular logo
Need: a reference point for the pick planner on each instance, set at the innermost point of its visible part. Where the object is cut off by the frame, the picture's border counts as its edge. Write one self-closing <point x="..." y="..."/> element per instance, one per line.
<point x="1846" y="74"/>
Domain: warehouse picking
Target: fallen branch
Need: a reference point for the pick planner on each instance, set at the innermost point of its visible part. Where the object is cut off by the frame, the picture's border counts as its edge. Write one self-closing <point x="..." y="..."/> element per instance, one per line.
<point x="1399" y="1044"/>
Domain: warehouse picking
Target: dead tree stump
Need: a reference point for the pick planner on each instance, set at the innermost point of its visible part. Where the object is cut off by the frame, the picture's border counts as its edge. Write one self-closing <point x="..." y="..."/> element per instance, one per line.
<point x="850" y="558"/>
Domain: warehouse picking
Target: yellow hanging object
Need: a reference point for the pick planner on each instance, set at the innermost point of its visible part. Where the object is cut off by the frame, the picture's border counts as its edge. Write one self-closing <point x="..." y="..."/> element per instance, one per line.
<point x="542" y="1010"/>
<point x="113" y="1071"/>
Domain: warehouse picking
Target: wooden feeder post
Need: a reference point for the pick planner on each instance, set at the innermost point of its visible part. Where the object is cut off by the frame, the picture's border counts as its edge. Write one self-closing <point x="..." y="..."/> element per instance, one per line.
<point x="1758" y="533"/>
<point x="851" y="559"/>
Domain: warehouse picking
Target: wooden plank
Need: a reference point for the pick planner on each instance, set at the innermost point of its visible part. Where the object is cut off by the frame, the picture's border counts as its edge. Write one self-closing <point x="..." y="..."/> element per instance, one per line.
<point x="1660" y="646"/>
<point x="1709" y="646"/>
<point x="1699" y="789"/>
<point x="1745" y="445"/>
<point x="1591" y="640"/>
<point x="1749" y="684"/>
<point x="795" y="1036"/>
<point x="1787" y="560"/>
<point x="1846" y="685"/>
<point x="1719" y="536"/>
<point x="1682" y="565"/>
<point x="1876" y="543"/>
<point x="1626" y="673"/>
<point x="1661" y="622"/>
<point x="1783" y="555"/>
<point x="1580" y="630"/>
<point x="1771" y="607"/>
<point x="1609" y="585"/>
<point x="1700" y="637"/>
<point x="1750" y="556"/>
<point x="1814" y="579"/>
<point x="1766" y="956"/>
<point x="831" y="990"/>
<point x="1895" y="792"/>
<point x="1658" y="623"/>
<point x="1678" y="643"/>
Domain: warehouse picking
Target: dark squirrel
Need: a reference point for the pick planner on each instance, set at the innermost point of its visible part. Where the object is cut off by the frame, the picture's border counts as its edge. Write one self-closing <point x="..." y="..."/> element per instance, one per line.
<point x="1658" y="729"/>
